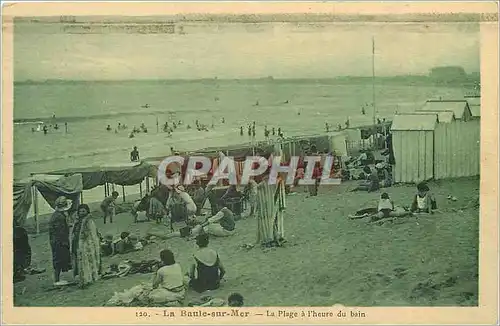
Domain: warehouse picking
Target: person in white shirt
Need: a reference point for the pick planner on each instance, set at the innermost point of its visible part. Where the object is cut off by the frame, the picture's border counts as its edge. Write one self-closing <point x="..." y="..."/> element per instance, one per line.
<point x="180" y="196"/>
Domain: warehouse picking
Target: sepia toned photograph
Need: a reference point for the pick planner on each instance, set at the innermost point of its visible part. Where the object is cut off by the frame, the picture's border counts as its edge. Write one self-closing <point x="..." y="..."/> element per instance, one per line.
<point x="208" y="160"/>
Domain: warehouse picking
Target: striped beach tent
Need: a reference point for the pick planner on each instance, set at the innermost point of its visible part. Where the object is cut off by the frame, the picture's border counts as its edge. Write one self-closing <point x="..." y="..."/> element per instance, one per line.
<point x="271" y="204"/>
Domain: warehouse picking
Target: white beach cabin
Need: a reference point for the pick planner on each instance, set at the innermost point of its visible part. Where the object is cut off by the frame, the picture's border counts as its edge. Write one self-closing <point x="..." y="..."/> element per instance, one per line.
<point x="413" y="145"/>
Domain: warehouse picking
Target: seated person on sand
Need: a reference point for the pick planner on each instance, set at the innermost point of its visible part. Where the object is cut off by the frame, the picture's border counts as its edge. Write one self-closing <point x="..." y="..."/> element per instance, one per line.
<point x="156" y="210"/>
<point x="230" y="194"/>
<point x="371" y="183"/>
<point x="232" y="199"/>
<point x="179" y="196"/>
<point x="207" y="270"/>
<point x="126" y="243"/>
<point x="106" y="245"/>
<point x="220" y="225"/>
<point x="424" y="201"/>
<point x="383" y="175"/>
<point x="168" y="282"/>
<point x="235" y="300"/>
<point x="199" y="198"/>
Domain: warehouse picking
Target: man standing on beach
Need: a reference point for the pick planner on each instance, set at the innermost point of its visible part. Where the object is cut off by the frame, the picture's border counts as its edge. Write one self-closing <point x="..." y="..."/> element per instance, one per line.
<point x="134" y="155"/>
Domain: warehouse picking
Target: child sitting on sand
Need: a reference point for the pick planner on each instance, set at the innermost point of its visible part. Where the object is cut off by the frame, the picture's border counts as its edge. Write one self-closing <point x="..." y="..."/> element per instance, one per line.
<point x="424" y="201"/>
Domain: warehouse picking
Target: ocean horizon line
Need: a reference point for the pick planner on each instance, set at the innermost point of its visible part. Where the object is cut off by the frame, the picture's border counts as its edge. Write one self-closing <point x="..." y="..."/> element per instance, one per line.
<point x="414" y="77"/>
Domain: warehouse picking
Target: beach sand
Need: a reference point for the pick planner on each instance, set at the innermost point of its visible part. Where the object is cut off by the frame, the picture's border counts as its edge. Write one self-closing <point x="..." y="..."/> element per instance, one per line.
<point x="329" y="259"/>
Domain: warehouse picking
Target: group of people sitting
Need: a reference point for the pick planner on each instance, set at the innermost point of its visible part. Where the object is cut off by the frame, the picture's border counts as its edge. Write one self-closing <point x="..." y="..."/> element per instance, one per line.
<point x="375" y="178"/>
<point x="170" y="283"/>
<point x="423" y="203"/>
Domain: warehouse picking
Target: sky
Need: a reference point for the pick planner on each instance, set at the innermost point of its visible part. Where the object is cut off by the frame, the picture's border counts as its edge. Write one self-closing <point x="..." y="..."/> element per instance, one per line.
<point x="206" y="50"/>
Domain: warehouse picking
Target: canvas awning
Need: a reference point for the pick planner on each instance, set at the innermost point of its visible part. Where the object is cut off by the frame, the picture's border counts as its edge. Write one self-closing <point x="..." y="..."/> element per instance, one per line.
<point x="125" y="174"/>
<point x="51" y="188"/>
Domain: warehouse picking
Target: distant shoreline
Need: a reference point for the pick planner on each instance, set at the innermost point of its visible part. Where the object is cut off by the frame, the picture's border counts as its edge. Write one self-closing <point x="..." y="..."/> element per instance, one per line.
<point x="405" y="79"/>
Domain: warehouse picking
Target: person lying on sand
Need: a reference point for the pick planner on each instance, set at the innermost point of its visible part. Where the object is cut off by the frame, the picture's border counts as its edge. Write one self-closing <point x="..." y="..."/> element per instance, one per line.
<point x="423" y="201"/>
<point x="385" y="209"/>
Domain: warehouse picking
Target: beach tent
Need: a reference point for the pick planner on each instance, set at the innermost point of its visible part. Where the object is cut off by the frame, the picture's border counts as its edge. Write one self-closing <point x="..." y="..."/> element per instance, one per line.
<point x="460" y="108"/>
<point x="413" y="145"/>
<point x="443" y="116"/>
<point x="51" y="187"/>
<point x="338" y="143"/>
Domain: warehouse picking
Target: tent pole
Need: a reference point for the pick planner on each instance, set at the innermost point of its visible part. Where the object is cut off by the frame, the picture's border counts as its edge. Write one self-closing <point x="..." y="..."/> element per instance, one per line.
<point x="140" y="189"/>
<point x="147" y="185"/>
<point x="113" y="187"/>
<point x="105" y="189"/>
<point x="123" y="193"/>
<point x="35" y="208"/>
<point x="81" y="197"/>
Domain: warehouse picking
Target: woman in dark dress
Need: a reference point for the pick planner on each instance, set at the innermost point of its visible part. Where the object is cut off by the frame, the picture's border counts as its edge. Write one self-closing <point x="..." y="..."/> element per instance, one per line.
<point x="207" y="269"/>
<point x="22" y="252"/>
<point x="59" y="239"/>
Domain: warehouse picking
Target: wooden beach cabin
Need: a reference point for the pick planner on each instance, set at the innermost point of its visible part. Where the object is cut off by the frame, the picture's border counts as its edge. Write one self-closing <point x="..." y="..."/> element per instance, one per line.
<point x="474" y="105"/>
<point x="460" y="108"/>
<point x="457" y="149"/>
<point x="413" y="145"/>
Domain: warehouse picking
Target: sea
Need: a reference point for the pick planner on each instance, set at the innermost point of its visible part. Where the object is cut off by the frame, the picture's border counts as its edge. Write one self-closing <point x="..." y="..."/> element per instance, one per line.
<point x="298" y="107"/>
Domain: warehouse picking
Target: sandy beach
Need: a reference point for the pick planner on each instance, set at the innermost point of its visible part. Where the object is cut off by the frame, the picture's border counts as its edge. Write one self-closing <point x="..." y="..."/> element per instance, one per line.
<point x="427" y="261"/>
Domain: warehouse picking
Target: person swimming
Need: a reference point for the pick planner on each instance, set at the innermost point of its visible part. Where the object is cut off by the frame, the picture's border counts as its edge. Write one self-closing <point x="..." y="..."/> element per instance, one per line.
<point x="108" y="128"/>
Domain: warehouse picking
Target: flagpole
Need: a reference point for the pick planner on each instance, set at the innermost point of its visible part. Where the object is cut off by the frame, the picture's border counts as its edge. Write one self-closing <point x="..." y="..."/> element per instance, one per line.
<point x="373" y="78"/>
